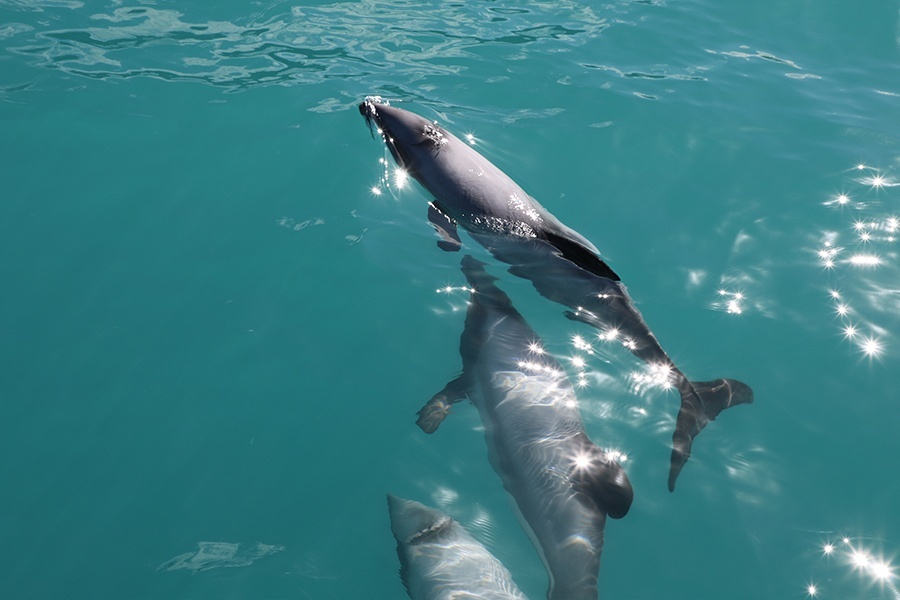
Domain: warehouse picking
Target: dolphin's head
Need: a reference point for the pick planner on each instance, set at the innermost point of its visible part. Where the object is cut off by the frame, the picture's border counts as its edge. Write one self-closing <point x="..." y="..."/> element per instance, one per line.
<point x="412" y="522"/>
<point x="406" y="134"/>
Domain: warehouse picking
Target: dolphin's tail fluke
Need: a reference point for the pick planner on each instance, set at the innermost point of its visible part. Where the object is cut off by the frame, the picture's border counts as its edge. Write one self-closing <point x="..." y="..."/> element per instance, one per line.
<point x="701" y="402"/>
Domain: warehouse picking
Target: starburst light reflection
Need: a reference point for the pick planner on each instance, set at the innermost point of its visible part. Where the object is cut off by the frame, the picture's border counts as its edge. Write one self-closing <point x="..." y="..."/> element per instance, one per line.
<point x="827" y="255"/>
<point x="581" y="344"/>
<point x="387" y="183"/>
<point x="401" y="178"/>
<point x="537" y="367"/>
<point x="536" y="348"/>
<point x="654" y="376"/>
<point x="841" y="199"/>
<point x="449" y="289"/>
<point x="878" y="181"/>
<point x="453" y="292"/>
<point x="865" y="260"/>
<point x="608" y="335"/>
<point x="867" y="308"/>
<point x="616" y="455"/>
<point x="581" y="461"/>
<point x="732" y="301"/>
<point x="865" y="561"/>
<point x="871" y="347"/>
<point x="880" y="570"/>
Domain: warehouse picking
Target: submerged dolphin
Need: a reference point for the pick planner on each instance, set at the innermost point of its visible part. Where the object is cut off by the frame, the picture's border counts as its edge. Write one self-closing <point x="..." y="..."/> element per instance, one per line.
<point x="562" y="264"/>
<point x="439" y="560"/>
<point x="562" y="484"/>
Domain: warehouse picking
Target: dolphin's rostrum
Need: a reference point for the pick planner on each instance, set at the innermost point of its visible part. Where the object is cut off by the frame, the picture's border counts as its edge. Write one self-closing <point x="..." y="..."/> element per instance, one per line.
<point x="471" y="192"/>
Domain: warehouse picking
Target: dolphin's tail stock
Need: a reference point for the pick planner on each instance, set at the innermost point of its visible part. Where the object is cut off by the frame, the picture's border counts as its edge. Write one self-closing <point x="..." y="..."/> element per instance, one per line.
<point x="701" y="402"/>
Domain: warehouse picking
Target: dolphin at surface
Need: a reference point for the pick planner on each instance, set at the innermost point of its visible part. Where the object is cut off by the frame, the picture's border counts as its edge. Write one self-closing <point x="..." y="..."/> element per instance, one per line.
<point x="440" y="560"/>
<point x="561" y="483"/>
<point x="563" y="265"/>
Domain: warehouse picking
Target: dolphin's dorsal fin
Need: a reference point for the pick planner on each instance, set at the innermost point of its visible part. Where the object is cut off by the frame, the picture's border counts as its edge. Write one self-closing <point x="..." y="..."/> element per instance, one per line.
<point x="580" y="255"/>
<point x="603" y="480"/>
<point x="445" y="227"/>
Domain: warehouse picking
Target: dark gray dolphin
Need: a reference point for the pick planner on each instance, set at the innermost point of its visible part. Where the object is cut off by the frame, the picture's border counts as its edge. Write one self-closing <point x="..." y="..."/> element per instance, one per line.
<point x="440" y="560"/>
<point x="562" y="484"/>
<point x="562" y="265"/>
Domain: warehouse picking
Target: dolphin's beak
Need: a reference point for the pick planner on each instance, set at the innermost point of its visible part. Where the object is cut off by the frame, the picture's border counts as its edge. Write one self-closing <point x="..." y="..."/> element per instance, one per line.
<point x="368" y="110"/>
<point x="398" y="128"/>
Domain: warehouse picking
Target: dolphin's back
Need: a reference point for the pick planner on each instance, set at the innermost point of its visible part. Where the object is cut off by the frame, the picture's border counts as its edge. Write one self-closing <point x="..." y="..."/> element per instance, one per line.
<point x="562" y="484"/>
<point x="484" y="199"/>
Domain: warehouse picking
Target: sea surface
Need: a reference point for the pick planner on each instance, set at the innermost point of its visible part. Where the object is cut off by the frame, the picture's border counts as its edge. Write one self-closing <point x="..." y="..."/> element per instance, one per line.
<point x="220" y="312"/>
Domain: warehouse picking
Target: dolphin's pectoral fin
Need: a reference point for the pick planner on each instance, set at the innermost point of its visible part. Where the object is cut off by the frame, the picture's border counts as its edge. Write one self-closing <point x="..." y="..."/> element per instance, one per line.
<point x="436" y="410"/>
<point x="433" y="413"/>
<point x="602" y="479"/>
<point x="701" y="402"/>
<point x="445" y="227"/>
<point x="581" y="256"/>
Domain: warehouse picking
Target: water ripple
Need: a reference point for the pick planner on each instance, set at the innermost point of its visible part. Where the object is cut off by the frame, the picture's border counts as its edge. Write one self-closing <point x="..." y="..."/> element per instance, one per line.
<point x="689" y="75"/>
<point x="301" y="44"/>
<point x="40" y="5"/>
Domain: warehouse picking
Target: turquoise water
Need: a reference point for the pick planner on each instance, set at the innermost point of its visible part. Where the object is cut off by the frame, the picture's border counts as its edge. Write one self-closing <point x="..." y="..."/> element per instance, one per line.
<point x="211" y="329"/>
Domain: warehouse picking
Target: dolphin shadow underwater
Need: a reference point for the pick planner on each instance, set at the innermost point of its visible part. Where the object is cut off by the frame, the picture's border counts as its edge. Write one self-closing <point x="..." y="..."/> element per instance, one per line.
<point x="562" y="484"/>
<point x="563" y="266"/>
<point x="440" y="560"/>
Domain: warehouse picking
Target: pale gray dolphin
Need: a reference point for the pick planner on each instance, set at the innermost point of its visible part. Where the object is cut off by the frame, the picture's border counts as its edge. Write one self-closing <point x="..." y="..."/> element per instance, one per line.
<point x="562" y="484"/>
<point x="562" y="264"/>
<point x="440" y="560"/>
